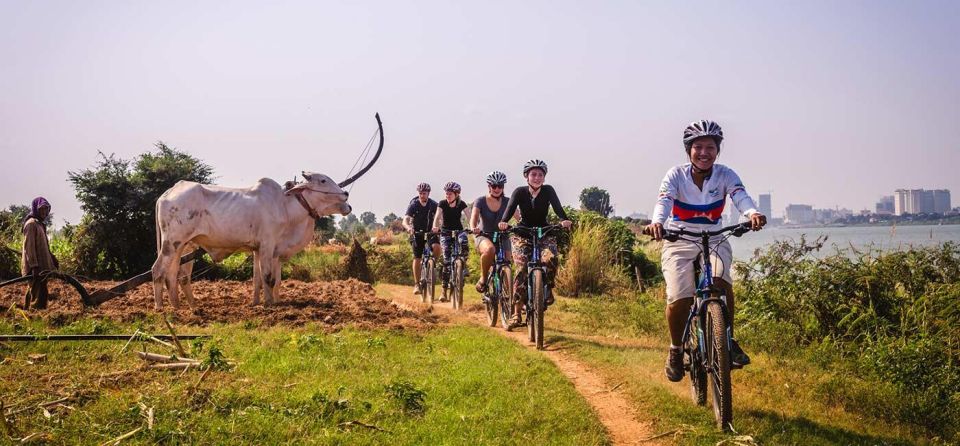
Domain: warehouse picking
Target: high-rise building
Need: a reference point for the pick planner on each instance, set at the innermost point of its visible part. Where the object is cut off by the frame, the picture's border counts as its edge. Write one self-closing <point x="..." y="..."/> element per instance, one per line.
<point x="764" y="206"/>
<point x="800" y="214"/>
<point x="941" y="201"/>
<point x="886" y="205"/>
<point x="919" y="201"/>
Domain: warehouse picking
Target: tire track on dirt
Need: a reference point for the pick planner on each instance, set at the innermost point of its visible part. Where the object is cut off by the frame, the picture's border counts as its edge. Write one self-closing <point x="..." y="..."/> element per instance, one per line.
<point x="612" y="407"/>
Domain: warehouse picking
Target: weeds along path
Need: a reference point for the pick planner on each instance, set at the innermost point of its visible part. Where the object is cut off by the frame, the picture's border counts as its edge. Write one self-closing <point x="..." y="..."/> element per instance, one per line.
<point x="612" y="407"/>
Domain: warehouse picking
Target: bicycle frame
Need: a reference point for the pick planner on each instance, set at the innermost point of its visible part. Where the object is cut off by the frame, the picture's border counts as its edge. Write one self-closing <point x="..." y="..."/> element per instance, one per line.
<point x="704" y="293"/>
<point x="499" y="262"/>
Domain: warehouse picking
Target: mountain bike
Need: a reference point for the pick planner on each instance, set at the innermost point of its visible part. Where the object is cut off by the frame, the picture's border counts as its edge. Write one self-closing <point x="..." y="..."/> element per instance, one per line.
<point x="455" y="271"/>
<point x="428" y="276"/>
<point x="537" y="288"/>
<point x="498" y="298"/>
<point x="707" y="334"/>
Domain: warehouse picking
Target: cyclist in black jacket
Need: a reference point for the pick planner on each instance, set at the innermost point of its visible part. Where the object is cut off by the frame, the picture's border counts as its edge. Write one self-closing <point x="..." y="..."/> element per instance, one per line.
<point x="534" y="201"/>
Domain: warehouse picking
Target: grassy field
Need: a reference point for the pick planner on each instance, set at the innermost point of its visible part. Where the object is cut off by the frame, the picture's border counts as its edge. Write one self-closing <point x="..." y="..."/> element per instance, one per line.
<point x="450" y="385"/>
<point x="777" y="400"/>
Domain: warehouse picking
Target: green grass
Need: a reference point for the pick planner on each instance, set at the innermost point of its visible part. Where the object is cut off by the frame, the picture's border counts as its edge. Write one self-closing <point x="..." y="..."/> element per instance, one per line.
<point x="777" y="400"/>
<point x="300" y="386"/>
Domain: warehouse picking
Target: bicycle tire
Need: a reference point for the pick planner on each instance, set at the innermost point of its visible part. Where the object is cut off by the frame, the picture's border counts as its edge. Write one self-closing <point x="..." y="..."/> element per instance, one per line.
<point x="698" y="374"/>
<point x="505" y="298"/>
<point x="492" y="302"/>
<point x="538" y="306"/>
<point x="431" y="275"/>
<point x="457" y="284"/>
<point x="719" y="359"/>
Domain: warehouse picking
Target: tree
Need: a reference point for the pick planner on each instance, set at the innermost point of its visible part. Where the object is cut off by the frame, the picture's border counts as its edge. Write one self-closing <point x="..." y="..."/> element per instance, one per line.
<point x="596" y="200"/>
<point x="389" y="219"/>
<point x="117" y="234"/>
<point x="349" y="222"/>
<point x="368" y="218"/>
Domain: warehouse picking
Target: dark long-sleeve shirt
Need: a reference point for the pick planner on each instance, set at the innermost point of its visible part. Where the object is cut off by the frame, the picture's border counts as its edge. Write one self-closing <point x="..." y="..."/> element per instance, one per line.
<point x="533" y="211"/>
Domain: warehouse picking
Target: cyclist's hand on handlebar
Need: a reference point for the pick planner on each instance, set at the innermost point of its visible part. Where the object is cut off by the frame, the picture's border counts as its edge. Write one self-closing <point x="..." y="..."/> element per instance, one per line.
<point x="566" y="224"/>
<point x="410" y="230"/>
<point x="757" y="221"/>
<point x="476" y="231"/>
<point x="435" y="230"/>
<point x="503" y="226"/>
<point x="654" y="230"/>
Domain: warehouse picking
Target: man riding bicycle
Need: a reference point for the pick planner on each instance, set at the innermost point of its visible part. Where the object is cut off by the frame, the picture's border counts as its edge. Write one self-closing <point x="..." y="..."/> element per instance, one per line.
<point x="534" y="201"/>
<point x="487" y="212"/>
<point x="693" y="196"/>
<point x="448" y="219"/>
<point x="419" y="215"/>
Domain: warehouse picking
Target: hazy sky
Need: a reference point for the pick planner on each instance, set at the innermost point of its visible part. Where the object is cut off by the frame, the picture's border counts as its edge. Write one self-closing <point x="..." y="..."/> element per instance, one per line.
<point x="823" y="103"/>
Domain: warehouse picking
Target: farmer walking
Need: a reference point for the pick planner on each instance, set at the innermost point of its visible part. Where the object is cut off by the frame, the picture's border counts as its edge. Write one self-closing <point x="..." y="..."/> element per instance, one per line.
<point x="37" y="258"/>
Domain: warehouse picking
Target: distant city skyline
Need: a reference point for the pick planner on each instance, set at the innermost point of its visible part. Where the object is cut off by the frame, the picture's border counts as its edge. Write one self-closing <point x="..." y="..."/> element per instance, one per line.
<point x="832" y="109"/>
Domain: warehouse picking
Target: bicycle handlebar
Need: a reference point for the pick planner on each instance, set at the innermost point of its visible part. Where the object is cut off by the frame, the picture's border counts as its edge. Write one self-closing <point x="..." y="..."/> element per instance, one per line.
<point x="737" y="230"/>
<point x="529" y="230"/>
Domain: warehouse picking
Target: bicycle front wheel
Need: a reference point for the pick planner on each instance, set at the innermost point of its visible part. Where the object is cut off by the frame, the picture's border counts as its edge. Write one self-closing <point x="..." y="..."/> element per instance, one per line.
<point x="698" y="374"/>
<point x="536" y="325"/>
<point x="718" y="357"/>
<point x="504" y="291"/>
<point x="430" y="274"/>
<point x="458" y="284"/>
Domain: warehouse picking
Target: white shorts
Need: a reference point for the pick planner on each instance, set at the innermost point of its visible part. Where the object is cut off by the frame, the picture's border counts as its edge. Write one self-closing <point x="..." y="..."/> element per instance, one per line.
<point x="677" y="264"/>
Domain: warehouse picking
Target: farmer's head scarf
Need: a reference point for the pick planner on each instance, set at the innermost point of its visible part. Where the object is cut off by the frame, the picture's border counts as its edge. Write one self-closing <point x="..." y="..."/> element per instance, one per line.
<point x="35" y="206"/>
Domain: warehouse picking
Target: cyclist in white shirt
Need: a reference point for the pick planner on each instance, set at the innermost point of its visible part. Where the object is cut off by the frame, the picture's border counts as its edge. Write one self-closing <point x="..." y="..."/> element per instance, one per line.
<point x="692" y="196"/>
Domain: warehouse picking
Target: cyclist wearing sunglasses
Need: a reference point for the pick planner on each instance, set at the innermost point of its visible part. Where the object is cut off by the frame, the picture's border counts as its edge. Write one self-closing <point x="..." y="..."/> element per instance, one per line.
<point x="487" y="211"/>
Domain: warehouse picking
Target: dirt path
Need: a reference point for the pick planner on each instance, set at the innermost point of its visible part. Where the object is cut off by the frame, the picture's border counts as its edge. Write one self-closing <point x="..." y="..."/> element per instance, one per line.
<point x="610" y="404"/>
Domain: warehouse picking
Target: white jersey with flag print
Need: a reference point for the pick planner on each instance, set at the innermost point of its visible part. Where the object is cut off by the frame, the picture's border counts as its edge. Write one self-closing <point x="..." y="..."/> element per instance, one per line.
<point x="695" y="209"/>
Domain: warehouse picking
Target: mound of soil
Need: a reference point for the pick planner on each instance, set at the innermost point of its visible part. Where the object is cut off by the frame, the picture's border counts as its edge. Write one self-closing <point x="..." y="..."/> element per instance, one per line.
<point x="335" y="304"/>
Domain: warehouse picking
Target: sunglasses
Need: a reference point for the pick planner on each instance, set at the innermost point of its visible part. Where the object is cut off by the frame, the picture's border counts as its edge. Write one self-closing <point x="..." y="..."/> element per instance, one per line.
<point x="496" y="186"/>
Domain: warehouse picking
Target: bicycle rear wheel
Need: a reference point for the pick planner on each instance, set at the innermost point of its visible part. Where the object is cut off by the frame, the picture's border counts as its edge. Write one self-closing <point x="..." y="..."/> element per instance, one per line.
<point x="698" y="375"/>
<point x="718" y="356"/>
<point x="504" y="291"/>
<point x="536" y="326"/>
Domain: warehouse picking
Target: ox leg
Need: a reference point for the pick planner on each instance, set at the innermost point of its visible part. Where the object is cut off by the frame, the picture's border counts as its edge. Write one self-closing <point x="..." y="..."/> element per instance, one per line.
<point x="270" y="280"/>
<point x="159" y="272"/>
<point x="257" y="278"/>
<point x="275" y="292"/>
<point x="173" y="270"/>
<point x="186" y="281"/>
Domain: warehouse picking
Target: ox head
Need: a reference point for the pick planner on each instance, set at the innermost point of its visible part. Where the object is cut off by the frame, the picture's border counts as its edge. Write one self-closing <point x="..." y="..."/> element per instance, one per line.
<point x="322" y="193"/>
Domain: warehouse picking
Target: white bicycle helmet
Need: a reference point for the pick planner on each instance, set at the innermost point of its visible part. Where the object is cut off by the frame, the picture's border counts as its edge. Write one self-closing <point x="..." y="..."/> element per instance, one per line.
<point x="699" y="129"/>
<point x="423" y="187"/>
<point x="534" y="164"/>
<point x="496" y="178"/>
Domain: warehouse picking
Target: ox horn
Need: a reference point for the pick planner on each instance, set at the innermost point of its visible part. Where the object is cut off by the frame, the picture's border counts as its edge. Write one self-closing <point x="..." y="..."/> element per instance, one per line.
<point x="375" y="157"/>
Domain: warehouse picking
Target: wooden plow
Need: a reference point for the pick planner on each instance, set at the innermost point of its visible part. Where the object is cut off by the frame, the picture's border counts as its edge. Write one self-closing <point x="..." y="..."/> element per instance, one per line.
<point x="101" y="296"/>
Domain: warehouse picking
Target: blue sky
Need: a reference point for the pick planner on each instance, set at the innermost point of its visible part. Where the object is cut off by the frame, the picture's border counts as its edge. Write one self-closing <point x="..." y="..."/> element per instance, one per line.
<point x="823" y="103"/>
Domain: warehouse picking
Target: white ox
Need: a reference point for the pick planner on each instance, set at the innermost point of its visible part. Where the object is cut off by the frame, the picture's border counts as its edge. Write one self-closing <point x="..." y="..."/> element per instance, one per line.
<point x="271" y="223"/>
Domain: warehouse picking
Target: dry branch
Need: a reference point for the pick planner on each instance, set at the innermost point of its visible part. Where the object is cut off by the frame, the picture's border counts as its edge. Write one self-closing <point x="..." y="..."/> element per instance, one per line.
<point x="175" y="366"/>
<point x="362" y="424"/>
<point x="153" y="357"/>
<point x="174" y="335"/>
<point x="125" y="436"/>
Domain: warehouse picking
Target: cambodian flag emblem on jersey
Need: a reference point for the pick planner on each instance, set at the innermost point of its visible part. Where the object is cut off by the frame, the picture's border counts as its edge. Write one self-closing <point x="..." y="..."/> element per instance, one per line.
<point x="698" y="213"/>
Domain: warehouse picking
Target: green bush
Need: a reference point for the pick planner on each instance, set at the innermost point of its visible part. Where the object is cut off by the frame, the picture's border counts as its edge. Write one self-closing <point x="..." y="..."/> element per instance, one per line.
<point x="391" y="264"/>
<point x="893" y="314"/>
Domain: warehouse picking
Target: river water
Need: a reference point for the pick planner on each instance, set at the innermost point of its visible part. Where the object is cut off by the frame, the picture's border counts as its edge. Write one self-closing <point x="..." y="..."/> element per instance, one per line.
<point x="882" y="237"/>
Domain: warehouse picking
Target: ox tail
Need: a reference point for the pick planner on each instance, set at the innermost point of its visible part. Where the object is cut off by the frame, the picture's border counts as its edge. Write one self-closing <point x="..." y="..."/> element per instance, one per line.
<point x="156" y="224"/>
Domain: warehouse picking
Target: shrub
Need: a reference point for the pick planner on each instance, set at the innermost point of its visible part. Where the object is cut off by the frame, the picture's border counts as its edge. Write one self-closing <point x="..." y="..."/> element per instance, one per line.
<point x="585" y="261"/>
<point x="894" y="314"/>
<point x="391" y="264"/>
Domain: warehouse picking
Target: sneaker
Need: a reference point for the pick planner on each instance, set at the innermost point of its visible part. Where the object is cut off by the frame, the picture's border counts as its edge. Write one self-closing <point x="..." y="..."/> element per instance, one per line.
<point x="516" y="322"/>
<point x="548" y="298"/>
<point x="737" y="355"/>
<point x="416" y="289"/>
<point x="674" y="365"/>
